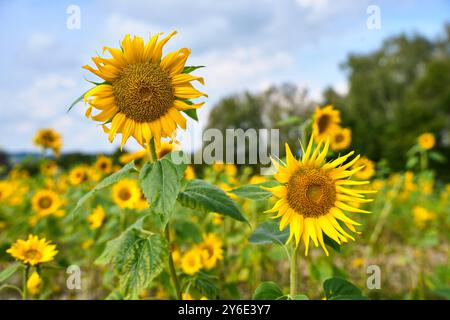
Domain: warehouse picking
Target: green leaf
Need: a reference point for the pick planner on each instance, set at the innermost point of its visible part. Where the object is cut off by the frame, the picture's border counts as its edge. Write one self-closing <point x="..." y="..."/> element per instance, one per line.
<point x="191" y="113"/>
<point x="254" y="191"/>
<point x="113" y="178"/>
<point x="161" y="183"/>
<point x="186" y="230"/>
<point x="436" y="156"/>
<point x="269" y="232"/>
<point x="442" y="292"/>
<point x="114" y="295"/>
<point x="267" y="291"/>
<point x="412" y="162"/>
<point x="137" y="259"/>
<point x="204" y="283"/>
<point x="179" y="159"/>
<point x="201" y="195"/>
<point x="9" y="271"/>
<point x="331" y="243"/>
<point x="189" y="69"/>
<point x="142" y="264"/>
<point x="289" y="121"/>
<point x="77" y="100"/>
<point x="340" y="289"/>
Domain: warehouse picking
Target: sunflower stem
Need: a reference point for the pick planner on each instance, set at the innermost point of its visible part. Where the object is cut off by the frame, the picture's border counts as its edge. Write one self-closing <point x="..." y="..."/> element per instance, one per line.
<point x="26" y="271"/>
<point x="173" y="273"/>
<point x="294" y="270"/>
<point x="152" y="151"/>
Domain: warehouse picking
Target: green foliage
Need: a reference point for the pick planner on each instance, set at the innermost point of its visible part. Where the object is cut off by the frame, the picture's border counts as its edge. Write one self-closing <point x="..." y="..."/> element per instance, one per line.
<point x="160" y="183"/>
<point x="205" y="284"/>
<point x="137" y="258"/>
<point x="269" y="232"/>
<point x="9" y="271"/>
<point x="267" y="291"/>
<point x="189" y="69"/>
<point x="340" y="289"/>
<point x="108" y="181"/>
<point x="254" y="191"/>
<point x="201" y="195"/>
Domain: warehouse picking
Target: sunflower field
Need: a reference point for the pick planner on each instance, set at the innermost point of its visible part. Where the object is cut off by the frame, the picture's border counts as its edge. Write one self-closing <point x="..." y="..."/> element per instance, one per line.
<point x="323" y="222"/>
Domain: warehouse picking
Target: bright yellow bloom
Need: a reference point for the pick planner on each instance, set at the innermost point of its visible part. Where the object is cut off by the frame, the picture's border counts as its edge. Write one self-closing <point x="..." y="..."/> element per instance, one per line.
<point x="186" y="296"/>
<point x="257" y="179"/>
<point x="46" y="202"/>
<point x="128" y="157"/>
<point x="48" y="139"/>
<point x="314" y="194"/>
<point x="6" y="190"/>
<point x="86" y="244"/>
<point x="217" y="219"/>
<point x="230" y="169"/>
<point x="368" y="168"/>
<point x="427" y="141"/>
<point x="49" y="168"/>
<point x="341" y="139"/>
<point x="422" y="216"/>
<point x="325" y="121"/>
<point x="97" y="217"/>
<point x="189" y="174"/>
<point x="103" y="164"/>
<point x="33" y="251"/>
<point x="211" y="250"/>
<point x="143" y="92"/>
<point x="176" y="257"/>
<point x="34" y="283"/>
<point x="191" y="262"/>
<point x="126" y="193"/>
<point x="166" y="148"/>
<point x="218" y="166"/>
<point x="78" y="175"/>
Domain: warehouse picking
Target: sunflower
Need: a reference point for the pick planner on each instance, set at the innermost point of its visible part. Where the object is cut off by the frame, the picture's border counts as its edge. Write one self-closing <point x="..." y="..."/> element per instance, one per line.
<point x="325" y="121"/>
<point x="78" y="175"/>
<point x="103" y="164"/>
<point x="46" y="202"/>
<point x="368" y="168"/>
<point x="49" y="168"/>
<point x="313" y="194"/>
<point x="166" y="148"/>
<point x="48" y="139"/>
<point x="189" y="174"/>
<point x="33" y="251"/>
<point x="191" y="261"/>
<point x="96" y="218"/>
<point x="6" y="190"/>
<point x="211" y="250"/>
<point x="426" y="141"/>
<point x="340" y="139"/>
<point x="126" y="193"/>
<point x="142" y="203"/>
<point x="143" y="92"/>
<point x="422" y="216"/>
<point x="130" y="156"/>
<point x="34" y="283"/>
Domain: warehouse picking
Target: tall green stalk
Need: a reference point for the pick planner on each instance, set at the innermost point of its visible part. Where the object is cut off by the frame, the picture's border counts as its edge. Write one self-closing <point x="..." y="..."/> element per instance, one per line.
<point x="293" y="270"/>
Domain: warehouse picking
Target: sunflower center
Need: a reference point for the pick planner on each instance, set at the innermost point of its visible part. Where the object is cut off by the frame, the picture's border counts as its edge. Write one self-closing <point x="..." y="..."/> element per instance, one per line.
<point x="45" y="202"/>
<point x="323" y="123"/>
<point x="311" y="192"/>
<point x="143" y="92"/>
<point x="32" y="254"/>
<point x="338" y="138"/>
<point x="124" y="194"/>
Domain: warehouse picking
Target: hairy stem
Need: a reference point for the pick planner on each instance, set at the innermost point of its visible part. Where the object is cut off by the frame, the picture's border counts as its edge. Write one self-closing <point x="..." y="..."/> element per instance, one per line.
<point x="173" y="273"/>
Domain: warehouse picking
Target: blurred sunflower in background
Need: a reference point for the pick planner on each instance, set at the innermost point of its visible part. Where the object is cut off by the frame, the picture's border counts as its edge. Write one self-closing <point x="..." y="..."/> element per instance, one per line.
<point x="103" y="164"/>
<point x="166" y="148"/>
<point x="126" y="193"/>
<point x="341" y="139"/>
<point x="96" y="218"/>
<point x="33" y="251"/>
<point x="313" y="194"/>
<point x="34" y="283"/>
<point x="78" y="175"/>
<point x="211" y="250"/>
<point x="143" y="92"/>
<point x="48" y="139"/>
<point x="49" y="168"/>
<point x="426" y="141"/>
<point x="46" y="202"/>
<point x="6" y="190"/>
<point x="325" y="121"/>
<point x="367" y="170"/>
<point x="191" y="261"/>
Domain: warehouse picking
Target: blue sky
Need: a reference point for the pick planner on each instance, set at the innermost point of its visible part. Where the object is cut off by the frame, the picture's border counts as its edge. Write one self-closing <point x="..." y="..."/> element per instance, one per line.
<point x="245" y="44"/>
